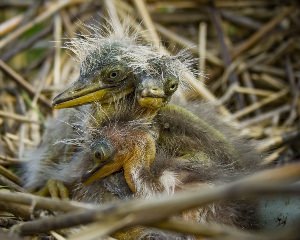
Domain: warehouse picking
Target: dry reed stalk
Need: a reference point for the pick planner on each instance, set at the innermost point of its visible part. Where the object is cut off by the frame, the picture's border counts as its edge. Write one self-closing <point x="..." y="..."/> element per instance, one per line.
<point x="10" y="24"/>
<point x="257" y="105"/>
<point x="22" y="82"/>
<point x="258" y="62"/>
<point x="262" y="32"/>
<point x="50" y="11"/>
<point x="17" y="117"/>
<point x="144" y="212"/>
<point x="202" y="49"/>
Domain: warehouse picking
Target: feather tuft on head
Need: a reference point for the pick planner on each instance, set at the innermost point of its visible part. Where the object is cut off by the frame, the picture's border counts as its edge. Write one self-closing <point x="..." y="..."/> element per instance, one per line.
<point x="104" y="45"/>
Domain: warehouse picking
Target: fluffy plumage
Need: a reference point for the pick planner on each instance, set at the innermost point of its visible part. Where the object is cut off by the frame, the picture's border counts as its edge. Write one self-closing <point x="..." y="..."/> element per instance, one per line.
<point x="191" y="149"/>
<point x="126" y="47"/>
<point x="98" y="53"/>
<point x="169" y="173"/>
<point x="194" y="130"/>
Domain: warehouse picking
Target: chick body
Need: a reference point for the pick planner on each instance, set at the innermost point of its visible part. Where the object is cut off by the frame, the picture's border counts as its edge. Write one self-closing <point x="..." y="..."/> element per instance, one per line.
<point x="168" y="174"/>
<point x="203" y="153"/>
<point x="115" y="74"/>
<point x="152" y="79"/>
<point x="195" y="128"/>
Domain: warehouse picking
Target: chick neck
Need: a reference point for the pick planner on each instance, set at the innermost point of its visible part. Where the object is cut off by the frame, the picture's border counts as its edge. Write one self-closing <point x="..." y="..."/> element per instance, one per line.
<point x="127" y="106"/>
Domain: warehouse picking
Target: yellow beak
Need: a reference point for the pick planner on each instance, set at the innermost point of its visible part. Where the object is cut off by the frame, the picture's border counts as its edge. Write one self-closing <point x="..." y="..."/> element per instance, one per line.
<point x="80" y="100"/>
<point x="81" y="93"/>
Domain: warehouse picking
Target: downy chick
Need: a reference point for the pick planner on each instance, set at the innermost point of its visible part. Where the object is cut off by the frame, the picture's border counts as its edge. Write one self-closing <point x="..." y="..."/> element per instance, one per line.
<point x="193" y="144"/>
<point x="129" y="146"/>
<point x="174" y="121"/>
<point x="167" y="173"/>
<point x="134" y="146"/>
<point x="195" y="128"/>
<point x="114" y="72"/>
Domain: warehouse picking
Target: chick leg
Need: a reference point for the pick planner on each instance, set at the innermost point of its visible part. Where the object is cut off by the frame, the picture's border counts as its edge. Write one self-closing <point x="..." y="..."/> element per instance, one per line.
<point x="54" y="188"/>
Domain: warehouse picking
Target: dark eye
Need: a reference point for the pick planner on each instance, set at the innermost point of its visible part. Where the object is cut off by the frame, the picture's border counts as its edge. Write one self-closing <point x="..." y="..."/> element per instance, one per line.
<point x="113" y="74"/>
<point x="98" y="155"/>
<point x="173" y="86"/>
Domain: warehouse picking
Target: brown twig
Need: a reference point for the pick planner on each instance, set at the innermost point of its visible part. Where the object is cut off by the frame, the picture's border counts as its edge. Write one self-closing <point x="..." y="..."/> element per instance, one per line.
<point x="6" y="182"/>
<point x="16" y="209"/>
<point x="261" y="32"/>
<point x="22" y="82"/>
<point x="232" y="77"/>
<point x="144" y="212"/>
<point x="43" y="203"/>
<point x="202" y="48"/>
<point x="140" y="5"/>
<point x="50" y="11"/>
<point x="17" y="117"/>
<point x="260" y="104"/>
<point x="10" y="175"/>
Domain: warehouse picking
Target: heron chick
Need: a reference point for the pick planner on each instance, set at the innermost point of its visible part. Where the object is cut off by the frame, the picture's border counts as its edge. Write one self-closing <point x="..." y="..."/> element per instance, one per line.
<point x="113" y="72"/>
<point x="115" y="142"/>
<point x="152" y="81"/>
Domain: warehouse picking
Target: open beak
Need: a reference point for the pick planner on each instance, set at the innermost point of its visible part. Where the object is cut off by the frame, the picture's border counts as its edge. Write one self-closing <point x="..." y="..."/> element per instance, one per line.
<point x="81" y="93"/>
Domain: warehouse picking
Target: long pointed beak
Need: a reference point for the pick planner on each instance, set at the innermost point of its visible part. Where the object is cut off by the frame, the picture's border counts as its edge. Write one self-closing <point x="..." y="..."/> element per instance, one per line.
<point x="81" y="93"/>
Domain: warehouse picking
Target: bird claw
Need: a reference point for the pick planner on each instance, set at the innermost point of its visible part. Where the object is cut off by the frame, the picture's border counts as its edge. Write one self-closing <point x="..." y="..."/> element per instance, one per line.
<point x="54" y="188"/>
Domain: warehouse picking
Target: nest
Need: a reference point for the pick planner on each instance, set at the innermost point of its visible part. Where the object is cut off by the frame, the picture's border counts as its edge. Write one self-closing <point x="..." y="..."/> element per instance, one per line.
<point x="248" y="52"/>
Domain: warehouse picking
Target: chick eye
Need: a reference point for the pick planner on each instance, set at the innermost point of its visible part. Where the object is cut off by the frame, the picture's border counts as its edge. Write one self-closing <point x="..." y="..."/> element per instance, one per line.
<point x="173" y="86"/>
<point x="113" y="74"/>
<point x="98" y="155"/>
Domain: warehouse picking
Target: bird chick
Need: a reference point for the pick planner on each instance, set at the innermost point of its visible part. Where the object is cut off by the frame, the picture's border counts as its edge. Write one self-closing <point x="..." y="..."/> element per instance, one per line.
<point x="194" y="128"/>
<point x="152" y="82"/>
<point x="114" y="66"/>
<point x="113" y="72"/>
<point x="151" y="78"/>
<point x="194" y="147"/>
<point x="198" y="143"/>
<point x="128" y="148"/>
<point x="115" y="141"/>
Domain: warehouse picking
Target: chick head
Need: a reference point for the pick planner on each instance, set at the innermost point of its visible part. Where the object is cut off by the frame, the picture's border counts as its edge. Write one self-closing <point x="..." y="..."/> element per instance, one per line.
<point x="113" y="66"/>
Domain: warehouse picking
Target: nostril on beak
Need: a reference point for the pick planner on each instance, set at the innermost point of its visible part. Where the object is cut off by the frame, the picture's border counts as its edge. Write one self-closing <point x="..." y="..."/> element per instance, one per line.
<point x="154" y="90"/>
<point x="157" y="92"/>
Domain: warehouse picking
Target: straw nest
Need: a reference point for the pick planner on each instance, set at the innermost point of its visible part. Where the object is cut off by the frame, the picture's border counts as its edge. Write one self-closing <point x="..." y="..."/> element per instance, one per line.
<point x="248" y="51"/>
